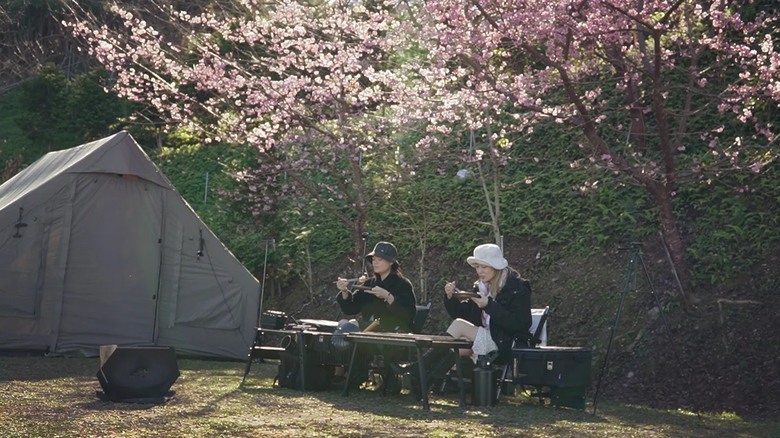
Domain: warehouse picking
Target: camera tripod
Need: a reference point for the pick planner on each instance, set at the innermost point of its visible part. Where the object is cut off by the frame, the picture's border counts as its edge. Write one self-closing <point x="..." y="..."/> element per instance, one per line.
<point x="635" y="254"/>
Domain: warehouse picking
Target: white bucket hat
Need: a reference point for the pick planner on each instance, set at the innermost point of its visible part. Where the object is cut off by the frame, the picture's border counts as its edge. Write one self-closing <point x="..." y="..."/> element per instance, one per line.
<point x="488" y="254"/>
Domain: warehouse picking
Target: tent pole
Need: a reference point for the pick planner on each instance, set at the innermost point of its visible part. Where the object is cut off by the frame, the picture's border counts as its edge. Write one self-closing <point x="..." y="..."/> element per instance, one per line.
<point x="262" y="282"/>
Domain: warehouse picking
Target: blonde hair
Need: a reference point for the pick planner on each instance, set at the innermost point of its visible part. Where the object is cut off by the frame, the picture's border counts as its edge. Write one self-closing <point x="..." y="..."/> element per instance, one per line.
<point x="499" y="280"/>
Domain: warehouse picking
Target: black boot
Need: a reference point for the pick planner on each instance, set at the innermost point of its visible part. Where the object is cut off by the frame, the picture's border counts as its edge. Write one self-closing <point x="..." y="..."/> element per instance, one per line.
<point x="438" y="362"/>
<point x="430" y="357"/>
<point x="442" y="365"/>
<point x="439" y="370"/>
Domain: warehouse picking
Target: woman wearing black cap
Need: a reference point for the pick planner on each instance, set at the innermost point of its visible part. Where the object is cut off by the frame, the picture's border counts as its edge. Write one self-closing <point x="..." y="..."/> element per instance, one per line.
<point x="387" y="304"/>
<point x="390" y="300"/>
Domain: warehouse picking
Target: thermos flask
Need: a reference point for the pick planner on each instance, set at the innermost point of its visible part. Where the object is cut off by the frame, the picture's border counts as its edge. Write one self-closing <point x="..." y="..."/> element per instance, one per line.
<point x="484" y="384"/>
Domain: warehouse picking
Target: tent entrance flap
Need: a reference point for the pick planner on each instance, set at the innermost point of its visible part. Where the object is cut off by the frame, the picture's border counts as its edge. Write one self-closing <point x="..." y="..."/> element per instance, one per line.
<point x="113" y="263"/>
<point x="203" y="291"/>
<point x="21" y="264"/>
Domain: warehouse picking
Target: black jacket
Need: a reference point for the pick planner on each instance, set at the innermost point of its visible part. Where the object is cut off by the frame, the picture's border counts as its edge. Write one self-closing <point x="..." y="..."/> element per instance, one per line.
<point x="510" y="313"/>
<point x="396" y="317"/>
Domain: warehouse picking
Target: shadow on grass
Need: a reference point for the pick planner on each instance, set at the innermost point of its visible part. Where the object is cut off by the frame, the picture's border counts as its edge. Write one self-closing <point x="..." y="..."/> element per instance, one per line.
<point x="522" y="413"/>
<point x="100" y="405"/>
<point x="510" y="412"/>
<point x="686" y="423"/>
<point x="35" y="367"/>
<point x="208" y="395"/>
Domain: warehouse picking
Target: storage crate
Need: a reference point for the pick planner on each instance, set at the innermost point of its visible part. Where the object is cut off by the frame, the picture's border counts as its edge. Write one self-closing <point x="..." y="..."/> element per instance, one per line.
<point x="564" y="371"/>
<point x="273" y="319"/>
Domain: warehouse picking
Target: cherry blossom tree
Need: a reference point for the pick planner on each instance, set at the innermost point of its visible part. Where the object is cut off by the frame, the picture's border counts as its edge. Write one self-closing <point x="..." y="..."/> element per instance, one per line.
<point x="321" y="89"/>
<point x="306" y="83"/>
<point x="638" y="79"/>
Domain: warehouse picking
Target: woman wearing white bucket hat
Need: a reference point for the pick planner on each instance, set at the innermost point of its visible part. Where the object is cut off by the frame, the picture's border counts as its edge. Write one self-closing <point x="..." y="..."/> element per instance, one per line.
<point x="500" y="314"/>
<point x="496" y="314"/>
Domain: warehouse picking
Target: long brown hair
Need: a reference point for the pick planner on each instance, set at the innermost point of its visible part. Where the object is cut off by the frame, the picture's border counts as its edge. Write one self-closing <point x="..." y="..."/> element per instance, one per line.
<point x="394" y="269"/>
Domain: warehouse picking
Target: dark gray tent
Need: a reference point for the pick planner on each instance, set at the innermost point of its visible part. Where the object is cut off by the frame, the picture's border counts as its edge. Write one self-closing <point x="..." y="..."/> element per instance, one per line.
<point x="96" y="247"/>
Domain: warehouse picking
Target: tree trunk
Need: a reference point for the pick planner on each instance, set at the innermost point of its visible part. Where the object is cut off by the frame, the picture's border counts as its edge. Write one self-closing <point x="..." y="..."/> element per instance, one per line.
<point x="673" y="242"/>
<point x="423" y="291"/>
<point x="494" y="204"/>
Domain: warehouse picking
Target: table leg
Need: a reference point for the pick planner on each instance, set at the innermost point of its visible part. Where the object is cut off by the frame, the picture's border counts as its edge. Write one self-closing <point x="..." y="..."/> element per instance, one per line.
<point x="423" y="379"/>
<point x="383" y="369"/>
<point x="459" y="370"/>
<point x="255" y="343"/>
<point x="349" y="370"/>
<point x="302" y="359"/>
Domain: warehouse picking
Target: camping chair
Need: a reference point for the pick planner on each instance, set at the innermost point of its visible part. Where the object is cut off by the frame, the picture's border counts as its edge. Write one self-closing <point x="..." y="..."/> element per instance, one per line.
<point x="539" y="337"/>
<point x="420" y="316"/>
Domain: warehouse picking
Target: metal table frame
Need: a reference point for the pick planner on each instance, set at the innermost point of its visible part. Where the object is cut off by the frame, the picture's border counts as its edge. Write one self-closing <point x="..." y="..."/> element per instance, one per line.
<point x="300" y="346"/>
<point x="420" y="343"/>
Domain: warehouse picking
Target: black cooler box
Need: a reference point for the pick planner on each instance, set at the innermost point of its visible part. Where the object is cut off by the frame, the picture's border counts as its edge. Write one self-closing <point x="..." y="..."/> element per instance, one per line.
<point x="273" y="319"/>
<point x="564" y="370"/>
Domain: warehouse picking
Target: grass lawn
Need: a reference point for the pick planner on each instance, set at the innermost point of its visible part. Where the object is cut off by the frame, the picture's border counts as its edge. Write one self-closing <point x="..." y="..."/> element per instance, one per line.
<point x="56" y="397"/>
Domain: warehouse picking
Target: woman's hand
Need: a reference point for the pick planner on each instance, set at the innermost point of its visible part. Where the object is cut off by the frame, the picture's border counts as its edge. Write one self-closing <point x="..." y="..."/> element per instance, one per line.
<point x="449" y="289"/>
<point x="381" y="293"/>
<point x="341" y="284"/>
<point x="481" y="302"/>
